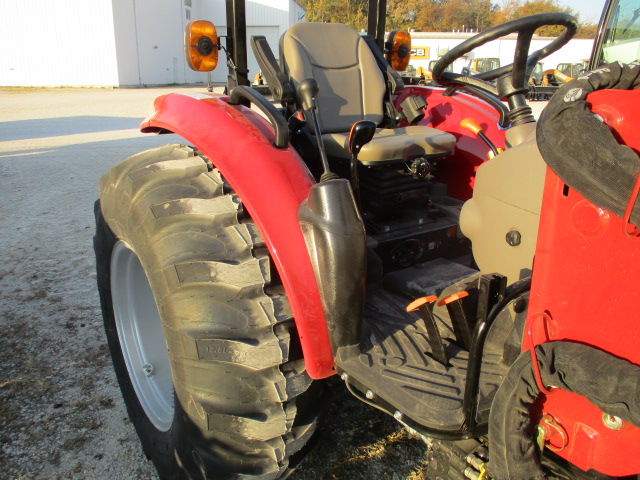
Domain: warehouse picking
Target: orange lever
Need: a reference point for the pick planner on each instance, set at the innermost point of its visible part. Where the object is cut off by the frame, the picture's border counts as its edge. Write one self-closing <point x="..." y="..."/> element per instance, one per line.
<point x="416" y="304"/>
<point x="424" y="306"/>
<point x="471" y="124"/>
<point x="454" y="297"/>
<point x="458" y="317"/>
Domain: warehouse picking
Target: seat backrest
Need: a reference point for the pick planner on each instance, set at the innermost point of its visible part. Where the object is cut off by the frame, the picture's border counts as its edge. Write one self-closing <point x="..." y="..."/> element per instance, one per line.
<point x="352" y="86"/>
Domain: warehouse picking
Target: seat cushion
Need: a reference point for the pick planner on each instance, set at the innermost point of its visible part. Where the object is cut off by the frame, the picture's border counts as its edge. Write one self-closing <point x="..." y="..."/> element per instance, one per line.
<point x="390" y="145"/>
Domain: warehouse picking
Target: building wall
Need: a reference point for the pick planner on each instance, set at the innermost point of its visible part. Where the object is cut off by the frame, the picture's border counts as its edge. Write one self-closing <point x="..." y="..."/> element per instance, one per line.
<point x="151" y="43"/>
<point x="270" y="18"/>
<point x="435" y="44"/>
<point x="126" y="41"/>
<point x="120" y="42"/>
<point x="53" y="42"/>
<point x="297" y="13"/>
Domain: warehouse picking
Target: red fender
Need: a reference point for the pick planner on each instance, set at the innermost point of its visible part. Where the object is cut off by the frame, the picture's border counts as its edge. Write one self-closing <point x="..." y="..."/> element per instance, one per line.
<point x="272" y="183"/>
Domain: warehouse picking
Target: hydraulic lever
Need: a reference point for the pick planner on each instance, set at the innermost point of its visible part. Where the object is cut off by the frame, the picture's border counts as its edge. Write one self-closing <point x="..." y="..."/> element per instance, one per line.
<point x="472" y="125"/>
<point x="307" y="91"/>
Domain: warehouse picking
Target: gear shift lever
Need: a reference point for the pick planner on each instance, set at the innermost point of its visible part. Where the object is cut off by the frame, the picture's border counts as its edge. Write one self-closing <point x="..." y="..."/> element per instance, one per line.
<point x="307" y="91"/>
<point x="361" y="133"/>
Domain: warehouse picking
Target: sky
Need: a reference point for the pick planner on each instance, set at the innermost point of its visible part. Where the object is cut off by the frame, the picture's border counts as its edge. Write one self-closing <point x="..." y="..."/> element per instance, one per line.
<point x="589" y="10"/>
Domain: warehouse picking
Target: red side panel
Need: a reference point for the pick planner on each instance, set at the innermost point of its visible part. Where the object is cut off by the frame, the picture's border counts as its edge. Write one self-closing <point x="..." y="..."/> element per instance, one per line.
<point x="445" y="113"/>
<point x="585" y="280"/>
<point x="272" y="183"/>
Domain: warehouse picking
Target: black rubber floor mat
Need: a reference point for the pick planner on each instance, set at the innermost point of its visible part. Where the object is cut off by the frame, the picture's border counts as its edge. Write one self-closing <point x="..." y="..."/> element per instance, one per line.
<point x="426" y="279"/>
<point x="395" y="363"/>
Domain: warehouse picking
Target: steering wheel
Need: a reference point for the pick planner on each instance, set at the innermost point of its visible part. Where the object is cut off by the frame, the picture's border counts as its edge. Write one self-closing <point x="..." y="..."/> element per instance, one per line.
<point x="508" y="87"/>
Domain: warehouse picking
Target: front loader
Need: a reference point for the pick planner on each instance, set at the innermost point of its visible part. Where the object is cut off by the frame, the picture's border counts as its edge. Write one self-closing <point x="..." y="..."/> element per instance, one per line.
<point x="459" y="266"/>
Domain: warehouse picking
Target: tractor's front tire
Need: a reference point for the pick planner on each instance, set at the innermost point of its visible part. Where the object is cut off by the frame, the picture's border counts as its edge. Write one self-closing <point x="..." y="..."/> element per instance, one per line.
<point x="203" y="344"/>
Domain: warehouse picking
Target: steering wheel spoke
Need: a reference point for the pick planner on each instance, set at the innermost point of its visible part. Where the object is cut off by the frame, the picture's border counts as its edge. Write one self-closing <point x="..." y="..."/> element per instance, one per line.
<point x="520" y="58"/>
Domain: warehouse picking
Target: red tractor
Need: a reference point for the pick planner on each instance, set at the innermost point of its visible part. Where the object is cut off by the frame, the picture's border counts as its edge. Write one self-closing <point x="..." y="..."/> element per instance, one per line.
<point x="460" y="266"/>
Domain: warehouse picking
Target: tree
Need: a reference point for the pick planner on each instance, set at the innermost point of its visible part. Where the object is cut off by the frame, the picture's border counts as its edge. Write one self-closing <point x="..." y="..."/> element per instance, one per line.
<point x="448" y="15"/>
<point x="514" y="9"/>
<point x="350" y="12"/>
<point x="587" y="31"/>
<point x="440" y="15"/>
<point x="429" y="16"/>
<point x="402" y="14"/>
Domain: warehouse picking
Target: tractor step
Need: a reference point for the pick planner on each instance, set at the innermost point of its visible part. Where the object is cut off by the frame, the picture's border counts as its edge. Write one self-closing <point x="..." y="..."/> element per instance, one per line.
<point x="396" y="366"/>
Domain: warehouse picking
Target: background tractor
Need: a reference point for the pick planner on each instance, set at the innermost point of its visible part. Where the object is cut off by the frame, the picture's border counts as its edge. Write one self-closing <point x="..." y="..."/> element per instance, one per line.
<point x="459" y="266"/>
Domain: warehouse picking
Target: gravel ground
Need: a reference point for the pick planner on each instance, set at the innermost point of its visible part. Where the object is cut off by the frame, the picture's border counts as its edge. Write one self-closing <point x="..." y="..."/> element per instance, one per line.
<point x="61" y="413"/>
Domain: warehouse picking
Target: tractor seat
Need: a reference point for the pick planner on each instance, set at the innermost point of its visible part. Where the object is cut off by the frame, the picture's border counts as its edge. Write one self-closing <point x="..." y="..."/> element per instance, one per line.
<point x="352" y="88"/>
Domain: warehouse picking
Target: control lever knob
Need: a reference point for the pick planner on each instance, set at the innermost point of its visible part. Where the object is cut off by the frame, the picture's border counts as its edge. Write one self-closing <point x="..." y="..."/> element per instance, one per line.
<point x="473" y="126"/>
<point x="307" y="91"/>
<point x="361" y="133"/>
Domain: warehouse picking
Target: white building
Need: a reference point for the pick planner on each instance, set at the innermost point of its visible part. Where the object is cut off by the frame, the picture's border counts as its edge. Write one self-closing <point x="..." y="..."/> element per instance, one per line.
<point x="428" y="46"/>
<point x="120" y="42"/>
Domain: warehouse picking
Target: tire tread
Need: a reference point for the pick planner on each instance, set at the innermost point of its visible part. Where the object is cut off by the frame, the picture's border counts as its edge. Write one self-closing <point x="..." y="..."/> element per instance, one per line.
<point x="203" y="257"/>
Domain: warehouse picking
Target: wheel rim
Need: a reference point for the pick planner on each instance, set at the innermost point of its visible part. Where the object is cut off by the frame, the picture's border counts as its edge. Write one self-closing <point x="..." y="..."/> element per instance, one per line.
<point x="142" y="341"/>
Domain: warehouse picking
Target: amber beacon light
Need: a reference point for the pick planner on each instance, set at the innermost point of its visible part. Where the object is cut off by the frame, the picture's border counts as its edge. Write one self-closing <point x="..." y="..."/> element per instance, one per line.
<point x="398" y="50"/>
<point x="201" y="46"/>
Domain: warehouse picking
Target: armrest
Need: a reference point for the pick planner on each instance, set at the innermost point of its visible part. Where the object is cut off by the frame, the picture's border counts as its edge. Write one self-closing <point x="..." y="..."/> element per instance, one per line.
<point x="279" y="84"/>
<point x="275" y="117"/>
